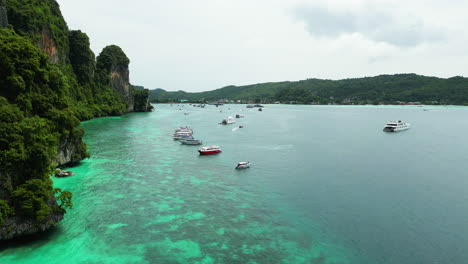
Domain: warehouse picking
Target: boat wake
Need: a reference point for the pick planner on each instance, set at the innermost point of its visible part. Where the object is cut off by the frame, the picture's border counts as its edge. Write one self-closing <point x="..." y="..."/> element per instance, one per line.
<point x="279" y="147"/>
<point x="234" y="129"/>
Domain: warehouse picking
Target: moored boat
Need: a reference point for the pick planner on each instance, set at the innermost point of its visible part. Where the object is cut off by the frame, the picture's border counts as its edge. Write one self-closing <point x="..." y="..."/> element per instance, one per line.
<point x="190" y="141"/>
<point x="243" y="165"/>
<point x="182" y="137"/>
<point x="228" y="120"/>
<point x="394" y="126"/>
<point x="209" y="150"/>
<point x="183" y="128"/>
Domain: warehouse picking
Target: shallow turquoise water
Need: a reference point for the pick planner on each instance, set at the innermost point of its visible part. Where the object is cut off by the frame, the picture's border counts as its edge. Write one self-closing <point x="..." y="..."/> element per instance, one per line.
<point x="326" y="186"/>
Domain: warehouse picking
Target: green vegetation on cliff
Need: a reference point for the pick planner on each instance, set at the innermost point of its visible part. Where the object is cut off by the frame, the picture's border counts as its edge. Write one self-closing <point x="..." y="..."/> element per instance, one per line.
<point x="141" y="100"/>
<point x="389" y="89"/>
<point x="42" y="22"/>
<point x="93" y="95"/>
<point x="34" y="115"/>
<point x="50" y="80"/>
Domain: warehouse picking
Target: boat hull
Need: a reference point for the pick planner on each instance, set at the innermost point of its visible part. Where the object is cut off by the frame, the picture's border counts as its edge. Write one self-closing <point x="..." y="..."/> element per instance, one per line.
<point x="387" y="129"/>
<point x="190" y="142"/>
<point x="209" y="152"/>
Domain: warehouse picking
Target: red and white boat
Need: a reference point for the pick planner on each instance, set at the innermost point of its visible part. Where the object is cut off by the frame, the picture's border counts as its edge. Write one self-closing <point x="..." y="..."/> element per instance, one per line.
<point x="209" y="150"/>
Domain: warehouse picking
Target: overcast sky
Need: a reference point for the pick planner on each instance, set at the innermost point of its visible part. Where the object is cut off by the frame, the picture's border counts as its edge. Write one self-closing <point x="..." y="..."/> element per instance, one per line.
<point x="208" y="44"/>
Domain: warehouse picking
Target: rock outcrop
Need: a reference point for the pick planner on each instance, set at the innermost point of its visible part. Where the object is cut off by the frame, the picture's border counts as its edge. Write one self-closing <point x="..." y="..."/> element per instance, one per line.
<point x="141" y="100"/>
<point x="47" y="44"/>
<point x="112" y="66"/>
<point x="70" y="150"/>
<point x="119" y="75"/>
<point x="3" y="14"/>
<point x="16" y="226"/>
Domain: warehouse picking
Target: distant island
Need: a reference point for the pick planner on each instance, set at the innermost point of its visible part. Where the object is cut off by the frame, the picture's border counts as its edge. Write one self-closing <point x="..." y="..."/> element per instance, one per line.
<point x="382" y="89"/>
<point x="50" y="80"/>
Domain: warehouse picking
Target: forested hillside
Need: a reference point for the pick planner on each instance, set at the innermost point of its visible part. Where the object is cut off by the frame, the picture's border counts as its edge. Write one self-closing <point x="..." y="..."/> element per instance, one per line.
<point x="387" y="89"/>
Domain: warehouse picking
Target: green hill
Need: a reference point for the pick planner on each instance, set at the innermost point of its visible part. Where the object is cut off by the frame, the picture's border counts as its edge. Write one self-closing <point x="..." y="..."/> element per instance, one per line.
<point x="388" y="89"/>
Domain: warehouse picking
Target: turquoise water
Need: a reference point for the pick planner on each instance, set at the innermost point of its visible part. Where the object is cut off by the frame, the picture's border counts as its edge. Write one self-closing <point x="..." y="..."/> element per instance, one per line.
<point x="326" y="186"/>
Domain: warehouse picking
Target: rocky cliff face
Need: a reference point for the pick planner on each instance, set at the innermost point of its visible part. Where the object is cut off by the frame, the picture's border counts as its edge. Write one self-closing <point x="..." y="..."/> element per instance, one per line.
<point x="3" y="14"/>
<point x="119" y="75"/>
<point x="47" y="44"/>
<point x="20" y="226"/>
<point x="69" y="151"/>
<point x="112" y="66"/>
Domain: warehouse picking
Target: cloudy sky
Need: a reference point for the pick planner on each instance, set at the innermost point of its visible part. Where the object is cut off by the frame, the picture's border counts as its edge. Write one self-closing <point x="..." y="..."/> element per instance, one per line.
<point x="207" y="44"/>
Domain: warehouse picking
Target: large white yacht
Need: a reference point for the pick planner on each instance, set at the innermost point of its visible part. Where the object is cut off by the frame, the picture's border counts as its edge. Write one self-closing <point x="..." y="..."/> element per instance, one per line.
<point x="394" y="126"/>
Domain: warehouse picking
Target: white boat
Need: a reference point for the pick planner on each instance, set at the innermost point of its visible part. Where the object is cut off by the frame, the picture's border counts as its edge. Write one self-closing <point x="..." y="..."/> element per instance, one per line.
<point x="228" y="120"/>
<point x="243" y="165"/>
<point x="191" y="141"/>
<point x="394" y="126"/>
<point x="184" y="129"/>
<point x="182" y="137"/>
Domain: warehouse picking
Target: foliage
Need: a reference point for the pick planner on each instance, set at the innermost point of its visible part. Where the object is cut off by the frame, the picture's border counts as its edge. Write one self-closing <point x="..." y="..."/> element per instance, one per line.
<point x="5" y="211"/>
<point x="141" y="103"/>
<point x="31" y="199"/>
<point x="390" y="89"/>
<point x="34" y="114"/>
<point x="36" y="18"/>
<point x="82" y="57"/>
<point x="42" y="103"/>
<point x="111" y="56"/>
<point x="64" y="198"/>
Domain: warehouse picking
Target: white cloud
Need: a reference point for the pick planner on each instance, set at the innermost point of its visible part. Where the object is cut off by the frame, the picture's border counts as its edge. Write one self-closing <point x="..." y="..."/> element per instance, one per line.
<point x="374" y="22"/>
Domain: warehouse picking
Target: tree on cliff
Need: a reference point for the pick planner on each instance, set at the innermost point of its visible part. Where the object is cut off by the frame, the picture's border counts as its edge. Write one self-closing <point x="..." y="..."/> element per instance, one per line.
<point x="34" y="115"/>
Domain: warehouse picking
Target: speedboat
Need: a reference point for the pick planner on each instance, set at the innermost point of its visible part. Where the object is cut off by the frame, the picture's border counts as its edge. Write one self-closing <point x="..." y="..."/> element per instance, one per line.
<point x="209" y="150"/>
<point x="250" y="106"/>
<point x="191" y="141"/>
<point x="228" y="120"/>
<point x="394" y="126"/>
<point x="243" y="165"/>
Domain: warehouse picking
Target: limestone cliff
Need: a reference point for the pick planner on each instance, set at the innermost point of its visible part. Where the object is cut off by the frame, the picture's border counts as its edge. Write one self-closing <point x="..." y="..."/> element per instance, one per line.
<point x="112" y="68"/>
<point x="70" y="150"/>
<point x="3" y="14"/>
<point x="119" y="76"/>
